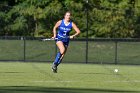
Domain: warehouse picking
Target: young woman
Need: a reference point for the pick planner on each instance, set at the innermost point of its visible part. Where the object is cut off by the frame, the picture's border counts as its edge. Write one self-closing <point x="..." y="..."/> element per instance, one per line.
<point x="64" y="27"/>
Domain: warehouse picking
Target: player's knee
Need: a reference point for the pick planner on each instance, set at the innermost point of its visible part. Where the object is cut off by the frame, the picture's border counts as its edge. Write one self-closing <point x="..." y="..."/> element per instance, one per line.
<point x="62" y="51"/>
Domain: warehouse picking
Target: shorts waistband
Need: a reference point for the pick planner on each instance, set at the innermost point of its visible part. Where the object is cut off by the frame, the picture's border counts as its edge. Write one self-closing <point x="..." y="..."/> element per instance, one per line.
<point x="62" y="36"/>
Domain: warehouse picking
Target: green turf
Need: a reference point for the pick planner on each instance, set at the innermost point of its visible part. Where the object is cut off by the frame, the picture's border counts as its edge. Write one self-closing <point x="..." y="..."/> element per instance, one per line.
<point x="17" y="77"/>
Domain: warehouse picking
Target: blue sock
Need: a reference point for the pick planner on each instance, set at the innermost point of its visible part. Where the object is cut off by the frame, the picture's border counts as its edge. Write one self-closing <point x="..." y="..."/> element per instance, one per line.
<point x="57" y="59"/>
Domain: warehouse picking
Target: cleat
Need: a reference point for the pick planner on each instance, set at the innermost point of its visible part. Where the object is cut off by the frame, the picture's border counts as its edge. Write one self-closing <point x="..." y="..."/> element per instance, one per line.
<point x="54" y="68"/>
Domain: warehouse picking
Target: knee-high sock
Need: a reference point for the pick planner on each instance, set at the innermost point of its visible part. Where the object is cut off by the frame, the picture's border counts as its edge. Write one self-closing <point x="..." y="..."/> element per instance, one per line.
<point x="57" y="59"/>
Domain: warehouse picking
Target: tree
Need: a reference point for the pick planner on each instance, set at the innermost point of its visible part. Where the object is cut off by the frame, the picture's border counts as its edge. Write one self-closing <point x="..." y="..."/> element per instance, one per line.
<point x="107" y="18"/>
<point x="111" y="19"/>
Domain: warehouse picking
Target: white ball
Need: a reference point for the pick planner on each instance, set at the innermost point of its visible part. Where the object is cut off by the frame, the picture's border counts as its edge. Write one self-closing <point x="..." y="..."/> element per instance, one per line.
<point x="116" y="70"/>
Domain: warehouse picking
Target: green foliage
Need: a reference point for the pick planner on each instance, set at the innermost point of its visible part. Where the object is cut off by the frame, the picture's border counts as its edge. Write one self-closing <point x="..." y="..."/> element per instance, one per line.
<point x="110" y="20"/>
<point x="106" y="18"/>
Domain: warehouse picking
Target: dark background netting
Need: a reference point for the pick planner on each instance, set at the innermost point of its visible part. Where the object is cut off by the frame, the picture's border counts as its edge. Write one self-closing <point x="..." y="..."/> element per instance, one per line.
<point x="101" y="51"/>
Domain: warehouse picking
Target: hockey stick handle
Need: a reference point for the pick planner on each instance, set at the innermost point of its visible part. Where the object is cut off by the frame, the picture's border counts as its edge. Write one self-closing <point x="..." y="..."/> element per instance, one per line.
<point x="48" y="39"/>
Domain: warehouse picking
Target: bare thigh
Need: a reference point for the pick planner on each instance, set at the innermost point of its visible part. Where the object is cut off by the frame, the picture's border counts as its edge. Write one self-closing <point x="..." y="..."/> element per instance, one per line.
<point x="61" y="47"/>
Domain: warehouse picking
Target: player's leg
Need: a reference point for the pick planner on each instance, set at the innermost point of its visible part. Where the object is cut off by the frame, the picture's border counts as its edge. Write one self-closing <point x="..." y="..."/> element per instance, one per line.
<point x="61" y="52"/>
<point x="62" y="56"/>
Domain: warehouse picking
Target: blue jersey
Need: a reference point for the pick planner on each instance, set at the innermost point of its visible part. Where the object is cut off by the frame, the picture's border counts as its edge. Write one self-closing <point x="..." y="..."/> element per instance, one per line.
<point x="64" y="30"/>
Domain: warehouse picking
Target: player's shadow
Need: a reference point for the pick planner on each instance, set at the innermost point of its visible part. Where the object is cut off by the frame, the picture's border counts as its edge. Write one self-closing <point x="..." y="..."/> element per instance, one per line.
<point x="31" y="89"/>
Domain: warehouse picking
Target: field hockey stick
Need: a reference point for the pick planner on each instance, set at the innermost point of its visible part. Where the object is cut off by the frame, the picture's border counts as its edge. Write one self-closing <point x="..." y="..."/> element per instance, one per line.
<point x="48" y="39"/>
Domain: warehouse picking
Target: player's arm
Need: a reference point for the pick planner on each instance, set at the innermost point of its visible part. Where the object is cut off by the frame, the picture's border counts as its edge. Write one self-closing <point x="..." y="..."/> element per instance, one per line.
<point x="55" y="28"/>
<point x="76" y="30"/>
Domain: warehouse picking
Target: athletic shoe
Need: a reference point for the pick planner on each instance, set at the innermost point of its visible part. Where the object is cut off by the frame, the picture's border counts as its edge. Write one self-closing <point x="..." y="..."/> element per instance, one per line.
<point x="54" y="68"/>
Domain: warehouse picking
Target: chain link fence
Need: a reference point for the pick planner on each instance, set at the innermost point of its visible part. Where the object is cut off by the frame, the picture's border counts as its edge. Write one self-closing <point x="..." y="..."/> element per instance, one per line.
<point x="100" y="51"/>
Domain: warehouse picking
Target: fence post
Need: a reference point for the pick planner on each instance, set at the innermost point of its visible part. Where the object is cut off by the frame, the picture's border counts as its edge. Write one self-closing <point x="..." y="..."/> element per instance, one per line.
<point x="24" y="54"/>
<point x="87" y="31"/>
<point x="86" y="50"/>
<point x="116" y="52"/>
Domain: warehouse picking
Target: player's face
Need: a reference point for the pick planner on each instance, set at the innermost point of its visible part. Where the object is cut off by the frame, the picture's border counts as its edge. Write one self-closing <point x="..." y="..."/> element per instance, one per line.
<point x="67" y="16"/>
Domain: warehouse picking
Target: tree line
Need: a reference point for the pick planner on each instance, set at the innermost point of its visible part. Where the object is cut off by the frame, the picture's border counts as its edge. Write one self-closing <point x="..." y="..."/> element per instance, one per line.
<point x="105" y="18"/>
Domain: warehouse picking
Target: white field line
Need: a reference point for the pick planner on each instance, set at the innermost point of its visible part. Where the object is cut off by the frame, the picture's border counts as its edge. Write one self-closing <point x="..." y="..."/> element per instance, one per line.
<point x="67" y="81"/>
<point x="136" y="81"/>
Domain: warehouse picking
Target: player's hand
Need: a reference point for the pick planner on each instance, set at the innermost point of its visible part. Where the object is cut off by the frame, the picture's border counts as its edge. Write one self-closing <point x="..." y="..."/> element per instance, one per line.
<point x="53" y="37"/>
<point x="71" y="37"/>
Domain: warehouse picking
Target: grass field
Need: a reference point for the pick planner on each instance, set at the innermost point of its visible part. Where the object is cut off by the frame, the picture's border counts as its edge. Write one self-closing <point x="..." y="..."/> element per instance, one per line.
<point x="19" y="77"/>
